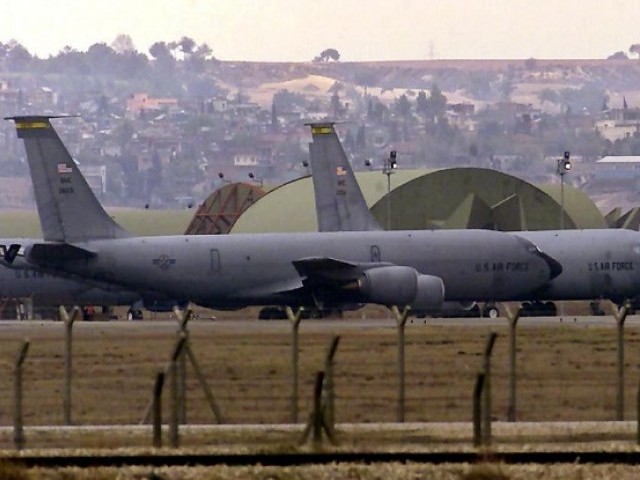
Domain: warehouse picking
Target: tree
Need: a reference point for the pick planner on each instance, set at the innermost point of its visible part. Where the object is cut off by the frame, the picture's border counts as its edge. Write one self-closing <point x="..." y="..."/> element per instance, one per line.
<point x="403" y="106"/>
<point x="336" y="105"/>
<point x="422" y="103"/>
<point x="204" y="51"/>
<point x="163" y="57"/>
<point x="187" y="45"/>
<point x="160" y="51"/>
<point x="618" y="56"/>
<point x="274" y="117"/>
<point x="18" y="58"/>
<point x="123" y="44"/>
<point x="101" y="57"/>
<point x="284" y="100"/>
<point x="436" y="103"/>
<point x="326" y="55"/>
<point x="199" y="57"/>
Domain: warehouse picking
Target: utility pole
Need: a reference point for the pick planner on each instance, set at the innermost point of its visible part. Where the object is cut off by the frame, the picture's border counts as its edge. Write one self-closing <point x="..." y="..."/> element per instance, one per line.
<point x="388" y="169"/>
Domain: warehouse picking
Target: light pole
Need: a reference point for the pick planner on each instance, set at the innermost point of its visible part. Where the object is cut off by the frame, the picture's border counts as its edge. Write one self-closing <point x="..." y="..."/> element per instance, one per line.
<point x="563" y="167"/>
<point x="388" y="169"/>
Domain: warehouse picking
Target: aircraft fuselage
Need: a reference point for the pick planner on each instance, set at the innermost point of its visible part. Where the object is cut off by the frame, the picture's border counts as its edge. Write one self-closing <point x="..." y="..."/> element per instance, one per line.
<point x="603" y="263"/>
<point x="238" y="270"/>
<point x="47" y="289"/>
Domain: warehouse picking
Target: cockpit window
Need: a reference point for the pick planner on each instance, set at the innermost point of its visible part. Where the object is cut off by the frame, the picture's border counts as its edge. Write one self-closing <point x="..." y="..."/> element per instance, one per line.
<point x="530" y="246"/>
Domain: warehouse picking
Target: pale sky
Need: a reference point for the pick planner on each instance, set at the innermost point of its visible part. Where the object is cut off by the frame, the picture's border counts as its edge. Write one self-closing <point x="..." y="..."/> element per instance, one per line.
<point x="298" y="30"/>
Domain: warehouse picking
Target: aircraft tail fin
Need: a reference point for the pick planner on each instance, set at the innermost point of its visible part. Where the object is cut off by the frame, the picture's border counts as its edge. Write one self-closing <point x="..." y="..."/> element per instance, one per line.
<point x="68" y="209"/>
<point x="340" y="205"/>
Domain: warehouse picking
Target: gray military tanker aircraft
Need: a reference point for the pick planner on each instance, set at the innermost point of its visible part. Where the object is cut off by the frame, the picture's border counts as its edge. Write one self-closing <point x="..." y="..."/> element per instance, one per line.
<point x="418" y="269"/>
<point x="18" y="280"/>
<point x="596" y="263"/>
<point x="46" y="290"/>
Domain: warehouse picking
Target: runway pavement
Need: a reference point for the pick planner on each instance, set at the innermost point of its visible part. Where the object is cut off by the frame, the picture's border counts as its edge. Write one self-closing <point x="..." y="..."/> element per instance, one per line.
<point x="251" y="325"/>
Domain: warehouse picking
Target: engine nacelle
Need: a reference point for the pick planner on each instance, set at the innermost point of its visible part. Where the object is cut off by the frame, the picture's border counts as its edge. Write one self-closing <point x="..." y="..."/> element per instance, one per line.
<point x="402" y="286"/>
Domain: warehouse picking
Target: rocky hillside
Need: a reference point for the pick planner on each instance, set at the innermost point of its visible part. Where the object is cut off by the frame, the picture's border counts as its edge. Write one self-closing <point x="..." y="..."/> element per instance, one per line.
<point x="474" y="81"/>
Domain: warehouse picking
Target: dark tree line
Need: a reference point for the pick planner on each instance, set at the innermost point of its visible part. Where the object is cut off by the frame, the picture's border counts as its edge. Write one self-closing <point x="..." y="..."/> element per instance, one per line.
<point x="120" y="58"/>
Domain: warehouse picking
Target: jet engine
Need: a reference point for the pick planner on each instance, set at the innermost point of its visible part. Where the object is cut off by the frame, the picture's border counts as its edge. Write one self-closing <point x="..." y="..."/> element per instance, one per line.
<point x="401" y="286"/>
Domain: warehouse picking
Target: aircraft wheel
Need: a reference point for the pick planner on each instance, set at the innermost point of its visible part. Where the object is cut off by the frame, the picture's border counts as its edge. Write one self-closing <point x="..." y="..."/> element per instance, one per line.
<point x="491" y="311"/>
<point x="134" y="314"/>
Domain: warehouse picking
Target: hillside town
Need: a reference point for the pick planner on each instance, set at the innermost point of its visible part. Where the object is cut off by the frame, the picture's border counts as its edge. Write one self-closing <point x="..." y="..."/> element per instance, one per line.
<point x="167" y="129"/>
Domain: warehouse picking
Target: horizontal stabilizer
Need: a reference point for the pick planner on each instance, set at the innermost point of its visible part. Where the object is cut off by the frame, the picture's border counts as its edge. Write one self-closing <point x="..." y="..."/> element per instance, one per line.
<point x="9" y="253"/>
<point x="51" y="254"/>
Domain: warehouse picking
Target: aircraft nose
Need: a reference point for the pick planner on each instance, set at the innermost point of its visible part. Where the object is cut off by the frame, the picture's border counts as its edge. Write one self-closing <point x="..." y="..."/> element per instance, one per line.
<point x="555" y="267"/>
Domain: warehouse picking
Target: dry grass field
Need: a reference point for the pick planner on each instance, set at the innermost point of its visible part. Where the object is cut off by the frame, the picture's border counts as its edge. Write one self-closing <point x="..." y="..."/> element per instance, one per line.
<point x="386" y="471"/>
<point x="566" y="373"/>
<point x="24" y="222"/>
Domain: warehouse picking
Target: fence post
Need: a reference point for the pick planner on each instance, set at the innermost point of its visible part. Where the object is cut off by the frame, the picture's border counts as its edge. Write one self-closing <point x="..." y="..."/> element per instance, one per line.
<point x="157" y="410"/>
<point x="174" y="440"/>
<point x="486" y="414"/>
<point x="68" y="357"/>
<point x="18" y="430"/>
<point x="513" y="323"/>
<point x="477" y="410"/>
<point x="317" y="409"/>
<point x="638" y="414"/>
<point x="329" y="385"/>
<point x="620" y="316"/>
<point x="317" y="421"/>
<point x="183" y="319"/>
<point x="294" y="319"/>
<point x="401" y="321"/>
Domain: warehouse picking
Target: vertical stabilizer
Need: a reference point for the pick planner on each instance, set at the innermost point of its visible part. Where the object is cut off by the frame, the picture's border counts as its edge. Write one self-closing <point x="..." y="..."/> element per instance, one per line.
<point x="68" y="209"/>
<point x="340" y="205"/>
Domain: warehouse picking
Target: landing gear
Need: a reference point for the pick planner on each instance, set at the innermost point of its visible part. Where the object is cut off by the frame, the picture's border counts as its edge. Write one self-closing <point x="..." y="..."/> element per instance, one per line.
<point x="490" y="310"/>
<point x="134" y="314"/>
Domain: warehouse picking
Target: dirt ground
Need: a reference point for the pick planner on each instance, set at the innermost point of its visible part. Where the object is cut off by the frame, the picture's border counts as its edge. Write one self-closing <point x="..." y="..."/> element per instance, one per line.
<point x="566" y="370"/>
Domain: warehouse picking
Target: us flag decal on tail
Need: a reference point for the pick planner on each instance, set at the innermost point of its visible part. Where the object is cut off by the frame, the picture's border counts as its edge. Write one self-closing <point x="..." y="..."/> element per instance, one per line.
<point x="64" y="168"/>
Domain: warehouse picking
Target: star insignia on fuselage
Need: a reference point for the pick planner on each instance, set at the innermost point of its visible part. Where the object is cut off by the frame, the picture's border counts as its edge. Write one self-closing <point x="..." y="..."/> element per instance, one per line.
<point x="164" y="262"/>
